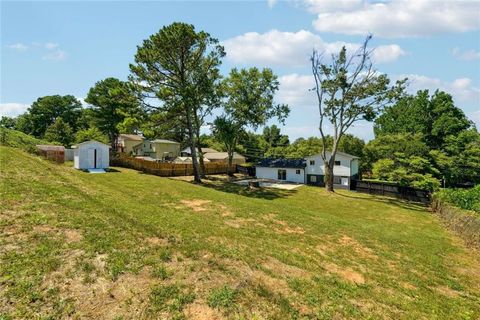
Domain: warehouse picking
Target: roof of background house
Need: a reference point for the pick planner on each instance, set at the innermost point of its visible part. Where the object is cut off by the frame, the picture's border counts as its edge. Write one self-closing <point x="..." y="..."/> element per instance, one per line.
<point x="204" y="150"/>
<point x="338" y="152"/>
<point x="188" y="159"/>
<point x="164" y="141"/>
<point x="220" y="155"/>
<point x="134" y="137"/>
<point x="50" y="147"/>
<point x="282" y="163"/>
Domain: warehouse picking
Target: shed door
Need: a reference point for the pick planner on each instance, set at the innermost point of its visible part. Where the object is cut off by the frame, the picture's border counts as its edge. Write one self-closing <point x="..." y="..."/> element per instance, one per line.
<point x="91" y="158"/>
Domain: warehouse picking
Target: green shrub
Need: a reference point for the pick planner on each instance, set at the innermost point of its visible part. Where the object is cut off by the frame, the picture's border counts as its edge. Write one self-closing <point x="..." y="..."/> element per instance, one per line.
<point x="468" y="199"/>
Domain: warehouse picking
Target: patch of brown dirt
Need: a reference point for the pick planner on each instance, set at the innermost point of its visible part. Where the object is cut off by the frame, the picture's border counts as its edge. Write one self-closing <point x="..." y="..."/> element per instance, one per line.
<point x="156" y="241"/>
<point x="225" y="211"/>
<point x="283" y="227"/>
<point x="196" y="205"/>
<point x="201" y="311"/>
<point x="238" y="222"/>
<point x="357" y="247"/>
<point x="278" y="267"/>
<point x="446" y="291"/>
<point x="72" y="235"/>
<point x="408" y="286"/>
<point x="345" y="273"/>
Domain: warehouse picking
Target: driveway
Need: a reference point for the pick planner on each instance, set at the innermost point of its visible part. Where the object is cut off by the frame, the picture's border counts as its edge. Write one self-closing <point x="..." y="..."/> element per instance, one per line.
<point x="265" y="183"/>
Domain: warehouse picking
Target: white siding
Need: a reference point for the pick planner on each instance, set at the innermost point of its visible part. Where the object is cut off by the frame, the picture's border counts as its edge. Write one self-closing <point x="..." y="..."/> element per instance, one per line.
<point x="272" y="173"/>
<point x="84" y="152"/>
<point x="342" y="170"/>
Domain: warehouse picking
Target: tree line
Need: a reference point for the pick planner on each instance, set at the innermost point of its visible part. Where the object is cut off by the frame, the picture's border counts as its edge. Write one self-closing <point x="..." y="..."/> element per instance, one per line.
<point x="175" y="85"/>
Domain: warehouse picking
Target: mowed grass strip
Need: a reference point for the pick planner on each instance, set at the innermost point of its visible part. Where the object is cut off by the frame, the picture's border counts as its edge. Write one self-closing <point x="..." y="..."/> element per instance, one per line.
<point x="125" y="245"/>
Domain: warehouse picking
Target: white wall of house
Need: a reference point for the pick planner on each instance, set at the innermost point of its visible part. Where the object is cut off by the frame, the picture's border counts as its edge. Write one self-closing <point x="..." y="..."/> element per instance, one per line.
<point x="91" y="155"/>
<point x="272" y="173"/>
<point x="348" y="166"/>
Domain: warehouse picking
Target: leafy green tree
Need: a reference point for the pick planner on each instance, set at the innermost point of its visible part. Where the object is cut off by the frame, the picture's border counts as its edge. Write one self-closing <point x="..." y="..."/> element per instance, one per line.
<point x="112" y="100"/>
<point x="8" y="122"/>
<point x="59" y="132"/>
<point x="273" y="137"/>
<point x="179" y="66"/>
<point x="44" y="112"/>
<point x="348" y="90"/>
<point x="225" y="131"/>
<point x="92" y="133"/>
<point x="435" y="117"/>
<point x="249" y="102"/>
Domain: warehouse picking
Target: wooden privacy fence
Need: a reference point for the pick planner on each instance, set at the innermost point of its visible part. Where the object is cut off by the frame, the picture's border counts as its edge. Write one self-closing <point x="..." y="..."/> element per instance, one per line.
<point x="392" y="190"/>
<point x="166" y="169"/>
<point x="51" y="152"/>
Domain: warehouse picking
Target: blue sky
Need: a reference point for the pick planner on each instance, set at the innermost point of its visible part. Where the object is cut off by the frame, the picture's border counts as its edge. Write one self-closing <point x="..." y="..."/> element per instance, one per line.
<point x="65" y="47"/>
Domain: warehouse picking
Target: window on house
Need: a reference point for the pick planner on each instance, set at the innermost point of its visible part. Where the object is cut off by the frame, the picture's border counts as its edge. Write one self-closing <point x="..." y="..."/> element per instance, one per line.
<point x="313" y="178"/>
<point x="297" y="171"/>
<point x="282" y="174"/>
<point x="150" y="146"/>
<point x="337" y="180"/>
<point x="144" y="145"/>
<point x="337" y="163"/>
<point x="312" y="162"/>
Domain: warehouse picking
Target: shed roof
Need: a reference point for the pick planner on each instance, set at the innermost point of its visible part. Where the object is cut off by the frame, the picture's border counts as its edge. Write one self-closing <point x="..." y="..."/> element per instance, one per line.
<point x="164" y="141"/>
<point x="282" y="163"/>
<point x="133" y="137"/>
<point x="89" y="142"/>
<point x="50" y="147"/>
<point x="221" y="155"/>
<point x="204" y="150"/>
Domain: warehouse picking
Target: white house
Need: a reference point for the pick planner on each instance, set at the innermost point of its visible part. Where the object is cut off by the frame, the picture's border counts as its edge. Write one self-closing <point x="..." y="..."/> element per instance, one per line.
<point x="310" y="170"/>
<point x="292" y="170"/>
<point x="344" y="170"/>
<point x="91" y="155"/>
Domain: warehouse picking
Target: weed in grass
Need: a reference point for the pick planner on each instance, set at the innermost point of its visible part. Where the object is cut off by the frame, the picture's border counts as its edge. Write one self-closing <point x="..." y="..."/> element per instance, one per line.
<point x="161" y="272"/>
<point x="169" y="298"/>
<point x="223" y="297"/>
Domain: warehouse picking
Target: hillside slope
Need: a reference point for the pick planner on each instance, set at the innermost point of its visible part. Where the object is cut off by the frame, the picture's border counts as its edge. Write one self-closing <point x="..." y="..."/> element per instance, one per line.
<point x="125" y="245"/>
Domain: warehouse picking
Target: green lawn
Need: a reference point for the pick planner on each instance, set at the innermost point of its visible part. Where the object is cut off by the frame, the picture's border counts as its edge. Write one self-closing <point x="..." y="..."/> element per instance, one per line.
<point x="125" y="245"/>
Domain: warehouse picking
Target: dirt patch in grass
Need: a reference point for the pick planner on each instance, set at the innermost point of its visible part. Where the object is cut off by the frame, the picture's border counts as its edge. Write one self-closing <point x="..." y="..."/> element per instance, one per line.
<point x="201" y="311"/>
<point x="357" y="247"/>
<point x="280" y="268"/>
<point x="238" y="222"/>
<point x="446" y="291"/>
<point x="72" y="235"/>
<point x="156" y="241"/>
<point x="196" y="205"/>
<point x="408" y="286"/>
<point x="347" y="274"/>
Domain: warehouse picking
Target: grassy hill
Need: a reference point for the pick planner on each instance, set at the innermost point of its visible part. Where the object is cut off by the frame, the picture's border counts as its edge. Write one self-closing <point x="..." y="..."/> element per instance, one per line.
<point x="125" y="245"/>
<point x="17" y="139"/>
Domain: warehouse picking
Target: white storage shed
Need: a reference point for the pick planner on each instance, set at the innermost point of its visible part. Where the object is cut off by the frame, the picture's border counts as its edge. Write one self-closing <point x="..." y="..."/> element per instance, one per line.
<point x="91" y="155"/>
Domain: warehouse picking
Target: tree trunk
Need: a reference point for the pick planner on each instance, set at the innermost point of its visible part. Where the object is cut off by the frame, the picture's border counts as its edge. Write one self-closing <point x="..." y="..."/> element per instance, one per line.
<point x="200" y="158"/>
<point x="230" y="160"/>
<point x="329" y="175"/>
<point x="193" y="149"/>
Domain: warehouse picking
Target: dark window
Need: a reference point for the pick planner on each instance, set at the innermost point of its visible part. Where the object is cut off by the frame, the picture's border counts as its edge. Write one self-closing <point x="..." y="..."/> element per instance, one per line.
<point x="337" y="180"/>
<point x="337" y="163"/>
<point x="298" y="171"/>
<point x="150" y="146"/>
<point x="144" y="145"/>
<point x="282" y="174"/>
<point x="312" y="162"/>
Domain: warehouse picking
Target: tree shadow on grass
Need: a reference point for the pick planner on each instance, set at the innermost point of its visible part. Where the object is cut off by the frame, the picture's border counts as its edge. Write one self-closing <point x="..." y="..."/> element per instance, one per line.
<point x="259" y="193"/>
<point x="404" y="204"/>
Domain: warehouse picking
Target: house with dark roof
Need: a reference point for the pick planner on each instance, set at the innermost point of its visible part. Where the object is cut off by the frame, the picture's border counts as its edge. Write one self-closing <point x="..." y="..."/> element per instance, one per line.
<point x="292" y="170"/>
<point x="310" y="170"/>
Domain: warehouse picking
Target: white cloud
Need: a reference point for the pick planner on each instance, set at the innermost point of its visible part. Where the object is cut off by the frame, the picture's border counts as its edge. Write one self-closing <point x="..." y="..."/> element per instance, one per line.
<point x="293" y="48"/>
<point x="294" y="90"/>
<point x="12" y="109"/>
<point x="467" y="55"/>
<point x="271" y="3"/>
<point x="396" y="18"/>
<point x="18" y="47"/>
<point x="461" y="89"/>
<point x="318" y="6"/>
<point x="56" y="55"/>
<point x="51" y="45"/>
